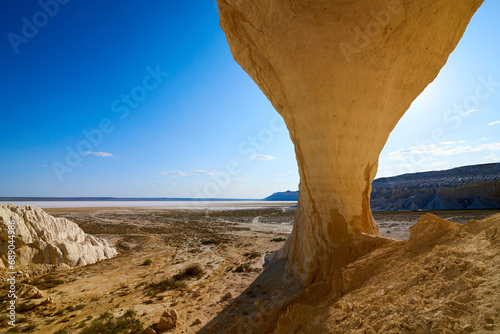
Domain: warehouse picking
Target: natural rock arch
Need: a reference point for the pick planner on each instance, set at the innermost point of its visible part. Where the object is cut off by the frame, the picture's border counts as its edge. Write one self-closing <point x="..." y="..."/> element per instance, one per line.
<point x="341" y="74"/>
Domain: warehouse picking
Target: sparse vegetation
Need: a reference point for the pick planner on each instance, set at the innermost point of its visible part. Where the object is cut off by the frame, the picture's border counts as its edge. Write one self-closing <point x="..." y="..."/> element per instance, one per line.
<point x="192" y="271"/>
<point x="20" y="320"/>
<point x="125" y="292"/>
<point x="168" y="284"/>
<point x="252" y="254"/>
<point x="197" y="243"/>
<point x="210" y="242"/>
<point x="47" y="282"/>
<point x="278" y="239"/>
<point x="29" y="328"/>
<point x="61" y="331"/>
<point x="108" y="324"/>
<point x="175" y="283"/>
<point x="79" y="306"/>
<point x="244" y="267"/>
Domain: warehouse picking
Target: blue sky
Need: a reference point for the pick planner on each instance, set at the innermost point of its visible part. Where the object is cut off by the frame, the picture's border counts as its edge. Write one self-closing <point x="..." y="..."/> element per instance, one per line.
<point x="143" y="99"/>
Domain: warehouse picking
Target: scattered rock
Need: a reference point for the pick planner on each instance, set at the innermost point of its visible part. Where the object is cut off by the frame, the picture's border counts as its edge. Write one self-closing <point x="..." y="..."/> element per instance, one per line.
<point x="168" y="320"/>
<point x="46" y="301"/>
<point x="29" y="292"/>
<point x="226" y="297"/>
<point x="62" y="267"/>
<point x="196" y="322"/>
<point x="149" y="330"/>
<point x="125" y="245"/>
<point x="34" y="303"/>
<point x="468" y="328"/>
<point x="488" y="318"/>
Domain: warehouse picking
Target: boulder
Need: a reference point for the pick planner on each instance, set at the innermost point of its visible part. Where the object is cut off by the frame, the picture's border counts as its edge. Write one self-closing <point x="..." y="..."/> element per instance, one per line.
<point x="29" y="292"/>
<point x="168" y="320"/>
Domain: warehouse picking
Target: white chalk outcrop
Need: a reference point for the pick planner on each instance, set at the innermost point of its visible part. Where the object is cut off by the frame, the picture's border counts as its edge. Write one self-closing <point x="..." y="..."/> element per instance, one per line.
<point x="341" y="74"/>
<point x="43" y="239"/>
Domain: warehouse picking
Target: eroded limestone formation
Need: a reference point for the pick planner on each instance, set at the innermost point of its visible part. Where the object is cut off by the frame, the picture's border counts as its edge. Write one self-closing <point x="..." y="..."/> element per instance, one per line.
<point x="43" y="239"/>
<point x="341" y="74"/>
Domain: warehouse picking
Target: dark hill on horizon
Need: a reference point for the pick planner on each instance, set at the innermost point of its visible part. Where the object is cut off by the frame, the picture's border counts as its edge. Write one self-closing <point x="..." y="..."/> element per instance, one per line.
<point x="468" y="187"/>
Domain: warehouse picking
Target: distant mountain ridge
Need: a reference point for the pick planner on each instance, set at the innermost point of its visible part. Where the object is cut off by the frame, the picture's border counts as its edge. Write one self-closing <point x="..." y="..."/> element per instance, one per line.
<point x="468" y="187"/>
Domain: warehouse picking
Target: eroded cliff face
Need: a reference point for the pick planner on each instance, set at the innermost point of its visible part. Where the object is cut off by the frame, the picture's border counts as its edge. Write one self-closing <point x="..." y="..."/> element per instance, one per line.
<point x="43" y="239"/>
<point x="341" y="74"/>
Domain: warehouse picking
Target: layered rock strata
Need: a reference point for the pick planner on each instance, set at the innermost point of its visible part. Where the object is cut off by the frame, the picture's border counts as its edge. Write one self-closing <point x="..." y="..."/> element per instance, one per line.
<point x="468" y="187"/>
<point x="43" y="239"/>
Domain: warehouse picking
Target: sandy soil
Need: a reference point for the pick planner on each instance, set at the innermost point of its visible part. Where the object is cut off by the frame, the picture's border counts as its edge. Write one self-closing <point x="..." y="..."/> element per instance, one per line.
<point x="218" y="241"/>
<point x="223" y="298"/>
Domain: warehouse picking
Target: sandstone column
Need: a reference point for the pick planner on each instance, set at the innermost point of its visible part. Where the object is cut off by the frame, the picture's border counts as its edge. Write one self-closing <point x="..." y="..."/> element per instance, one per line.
<point x="341" y="74"/>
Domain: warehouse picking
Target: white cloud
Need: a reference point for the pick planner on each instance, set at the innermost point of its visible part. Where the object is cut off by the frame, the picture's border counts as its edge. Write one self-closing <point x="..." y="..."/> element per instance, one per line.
<point x="437" y="150"/>
<point x="397" y="157"/>
<point x="491" y="147"/>
<point x="403" y="165"/>
<point x="159" y="184"/>
<point x="44" y="165"/>
<point x="172" y="173"/>
<point x="494" y="123"/>
<point x="262" y="157"/>
<point x="468" y="112"/>
<point x="101" y="154"/>
<point x="279" y="174"/>
<point x="457" y="150"/>
<point x="447" y="142"/>
<point x="205" y="172"/>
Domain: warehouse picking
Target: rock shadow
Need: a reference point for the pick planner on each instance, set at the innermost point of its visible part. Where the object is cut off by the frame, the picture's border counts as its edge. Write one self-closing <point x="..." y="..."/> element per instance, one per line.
<point x="257" y="309"/>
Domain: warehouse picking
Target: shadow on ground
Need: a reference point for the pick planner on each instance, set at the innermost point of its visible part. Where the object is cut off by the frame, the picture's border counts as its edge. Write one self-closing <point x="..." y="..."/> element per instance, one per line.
<point x="258" y="308"/>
